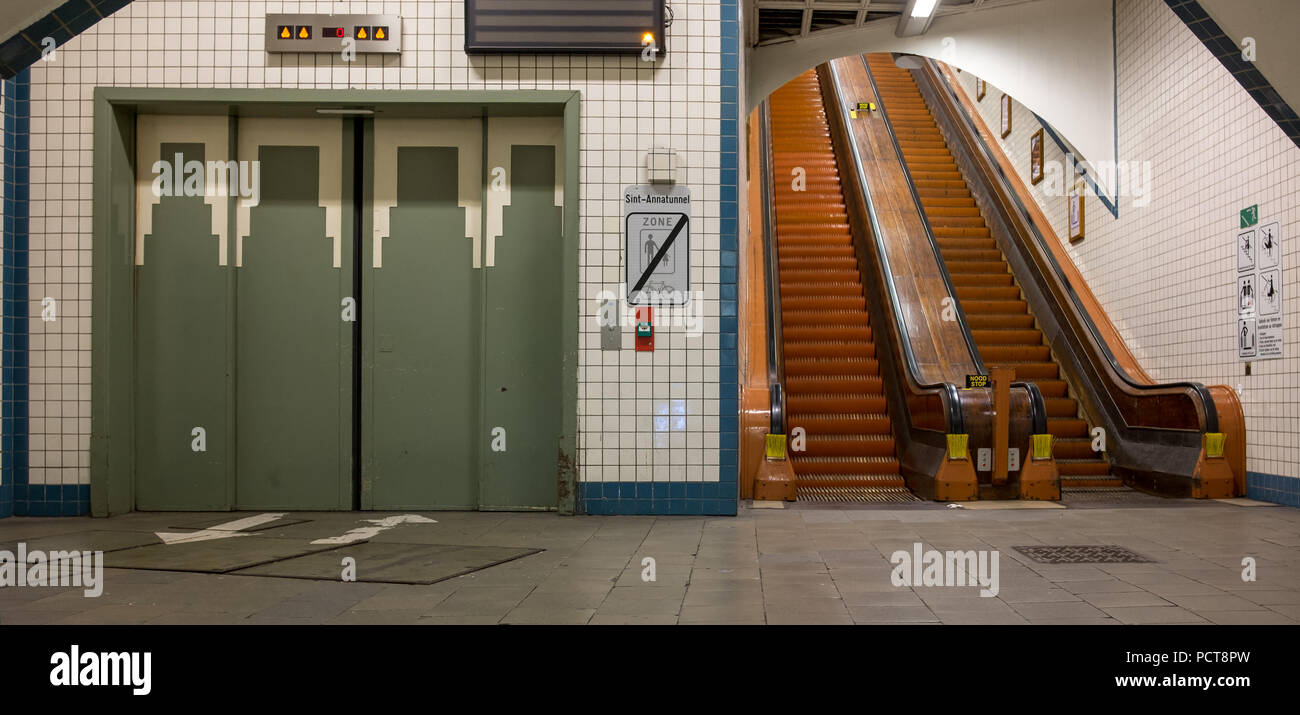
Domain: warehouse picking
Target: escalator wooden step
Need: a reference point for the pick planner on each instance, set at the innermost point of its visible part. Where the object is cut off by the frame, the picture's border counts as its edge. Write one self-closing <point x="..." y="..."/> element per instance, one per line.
<point x="800" y="333"/>
<point x="985" y="266"/>
<point x="992" y="321"/>
<point x="1013" y="307"/>
<point x="1032" y="370"/>
<point x="828" y="466"/>
<point x="800" y="349"/>
<point x="1082" y="467"/>
<point x="1061" y="407"/>
<point x="1015" y="353"/>
<point x="1009" y="336"/>
<point x="983" y="279"/>
<point x="1052" y="388"/>
<point x="986" y="292"/>
<point x="1070" y="448"/>
<point x="820" y="445"/>
<point x="821" y="317"/>
<point x="831" y="366"/>
<point x="862" y="402"/>
<point x="1067" y="428"/>
<point x="834" y="384"/>
<point x="992" y="255"/>
<point x="840" y="424"/>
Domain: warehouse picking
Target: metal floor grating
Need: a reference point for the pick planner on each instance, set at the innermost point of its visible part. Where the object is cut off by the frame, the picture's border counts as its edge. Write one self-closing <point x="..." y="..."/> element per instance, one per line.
<point x="1091" y="554"/>
<point x="856" y="494"/>
<point x="1108" y="495"/>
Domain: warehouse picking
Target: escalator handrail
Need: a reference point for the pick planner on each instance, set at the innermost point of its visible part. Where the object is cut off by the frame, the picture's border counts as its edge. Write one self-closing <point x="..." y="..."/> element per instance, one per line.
<point x="956" y="420"/>
<point x="1037" y="407"/>
<point x="771" y="280"/>
<point x="1202" y="393"/>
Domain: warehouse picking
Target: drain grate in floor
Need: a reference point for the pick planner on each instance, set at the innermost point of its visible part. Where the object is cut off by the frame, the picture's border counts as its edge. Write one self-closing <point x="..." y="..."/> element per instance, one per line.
<point x="856" y="494"/>
<point x="1094" y="554"/>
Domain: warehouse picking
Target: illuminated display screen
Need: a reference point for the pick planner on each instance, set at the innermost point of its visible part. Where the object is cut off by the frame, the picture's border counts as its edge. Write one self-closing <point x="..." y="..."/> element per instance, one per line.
<point x="605" y="26"/>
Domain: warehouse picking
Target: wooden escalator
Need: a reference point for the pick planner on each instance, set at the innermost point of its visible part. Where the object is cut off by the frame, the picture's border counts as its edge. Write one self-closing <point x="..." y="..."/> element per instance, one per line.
<point x="832" y="381"/>
<point x="1001" y="323"/>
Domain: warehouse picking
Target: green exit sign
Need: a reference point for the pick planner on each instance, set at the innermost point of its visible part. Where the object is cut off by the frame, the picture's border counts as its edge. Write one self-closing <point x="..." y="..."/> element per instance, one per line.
<point x="1250" y="216"/>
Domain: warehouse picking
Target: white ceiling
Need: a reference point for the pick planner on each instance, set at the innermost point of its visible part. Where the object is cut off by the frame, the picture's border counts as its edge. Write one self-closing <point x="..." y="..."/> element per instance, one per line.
<point x="15" y="16"/>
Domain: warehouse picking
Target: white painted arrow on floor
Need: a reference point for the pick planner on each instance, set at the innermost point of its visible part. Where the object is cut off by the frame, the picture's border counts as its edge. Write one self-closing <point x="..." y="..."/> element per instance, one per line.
<point x="365" y="532"/>
<point x="227" y="530"/>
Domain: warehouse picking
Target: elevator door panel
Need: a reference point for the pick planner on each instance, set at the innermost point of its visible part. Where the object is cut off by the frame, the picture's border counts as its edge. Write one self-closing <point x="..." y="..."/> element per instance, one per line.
<point x="421" y="317"/>
<point x="182" y="435"/>
<point x="294" y="355"/>
<point x="522" y="399"/>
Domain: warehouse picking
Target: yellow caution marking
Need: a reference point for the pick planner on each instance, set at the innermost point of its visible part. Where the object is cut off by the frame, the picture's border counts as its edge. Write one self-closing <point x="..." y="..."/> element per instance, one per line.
<point x="774" y="446"/>
<point x="958" y="446"/>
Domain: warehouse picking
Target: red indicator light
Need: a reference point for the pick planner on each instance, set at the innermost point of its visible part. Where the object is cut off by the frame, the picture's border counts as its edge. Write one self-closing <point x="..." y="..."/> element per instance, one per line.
<point x="333" y="32"/>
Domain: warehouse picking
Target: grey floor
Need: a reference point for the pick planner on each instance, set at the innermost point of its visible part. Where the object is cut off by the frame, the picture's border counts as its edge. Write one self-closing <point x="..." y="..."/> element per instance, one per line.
<point x="801" y="565"/>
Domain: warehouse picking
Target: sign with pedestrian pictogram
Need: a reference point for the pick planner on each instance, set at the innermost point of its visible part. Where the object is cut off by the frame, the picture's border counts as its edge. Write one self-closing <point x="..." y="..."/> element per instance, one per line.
<point x="1249" y="216"/>
<point x="657" y="233"/>
<point x="1258" y="292"/>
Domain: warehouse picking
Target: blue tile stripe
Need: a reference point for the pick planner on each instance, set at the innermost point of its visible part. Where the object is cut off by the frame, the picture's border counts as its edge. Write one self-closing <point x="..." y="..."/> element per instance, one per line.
<point x="1229" y="55"/>
<point x="13" y="345"/>
<point x="721" y="497"/>
<point x="1273" y="487"/>
<point x="18" y="497"/>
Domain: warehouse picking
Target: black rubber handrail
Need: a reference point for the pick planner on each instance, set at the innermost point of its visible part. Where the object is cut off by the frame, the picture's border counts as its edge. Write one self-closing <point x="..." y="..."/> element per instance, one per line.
<point x="1037" y="407"/>
<point x="956" y="420"/>
<point x="771" y="281"/>
<point x="1207" y="401"/>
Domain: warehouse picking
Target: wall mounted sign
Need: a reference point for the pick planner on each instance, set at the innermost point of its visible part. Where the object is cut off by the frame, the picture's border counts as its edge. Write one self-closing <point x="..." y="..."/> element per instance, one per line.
<point x="1036" y="157"/>
<point x="1006" y="115"/>
<point x="1258" y="292"/>
<point x="657" y="226"/>
<point x="974" y="381"/>
<point x="364" y="34"/>
<point x="1074" y="210"/>
<point x="1250" y="216"/>
<point x="626" y="26"/>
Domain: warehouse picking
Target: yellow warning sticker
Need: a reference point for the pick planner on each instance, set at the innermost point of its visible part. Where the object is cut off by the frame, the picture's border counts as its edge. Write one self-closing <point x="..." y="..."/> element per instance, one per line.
<point x="958" y="446"/>
<point x="1214" y="444"/>
<point x="775" y="446"/>
<point x="1042" y="446"/>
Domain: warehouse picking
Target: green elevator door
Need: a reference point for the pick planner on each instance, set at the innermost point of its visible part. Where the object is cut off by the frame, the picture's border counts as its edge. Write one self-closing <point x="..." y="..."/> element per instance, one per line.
<point x="420" y="326"/>
<point x="248" y="307"/>
<point x="462" y="346"/>
<point x="182" y="429"/>
<point x="522" y="343"/>
<point x="294" y="346"/>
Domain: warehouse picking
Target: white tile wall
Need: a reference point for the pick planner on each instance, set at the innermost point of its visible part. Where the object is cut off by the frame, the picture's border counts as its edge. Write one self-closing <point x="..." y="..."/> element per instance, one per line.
<point x="1165" y="272"/>
<point x="627" y="108"/>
